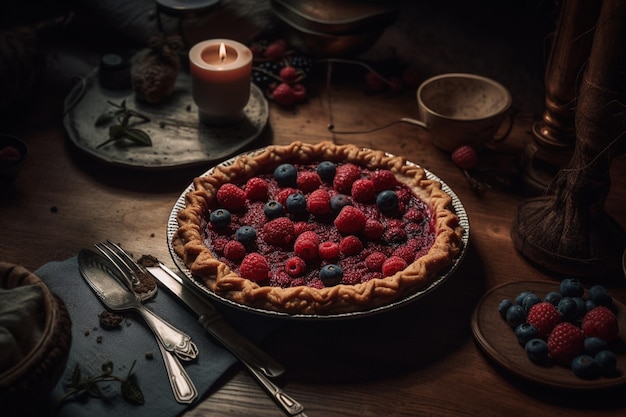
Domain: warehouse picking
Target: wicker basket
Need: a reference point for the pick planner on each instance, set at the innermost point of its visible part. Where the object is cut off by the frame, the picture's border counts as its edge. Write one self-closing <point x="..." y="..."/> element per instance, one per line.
<point x="31" y="379"/>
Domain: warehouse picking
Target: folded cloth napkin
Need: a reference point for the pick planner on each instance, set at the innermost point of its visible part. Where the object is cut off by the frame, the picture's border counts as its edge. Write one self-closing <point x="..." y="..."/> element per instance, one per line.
<point x="92" y="346"/>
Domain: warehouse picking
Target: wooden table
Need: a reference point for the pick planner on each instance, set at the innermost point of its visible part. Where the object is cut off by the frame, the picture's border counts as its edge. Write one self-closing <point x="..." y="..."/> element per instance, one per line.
<point x="417" y="360"/>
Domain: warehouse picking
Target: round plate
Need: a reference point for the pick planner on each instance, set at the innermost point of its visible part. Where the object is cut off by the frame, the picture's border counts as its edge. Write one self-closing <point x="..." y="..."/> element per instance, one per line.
<point x="498" y="341"/>
<point x="457" y="207"/>
<point x="179" y="138"/>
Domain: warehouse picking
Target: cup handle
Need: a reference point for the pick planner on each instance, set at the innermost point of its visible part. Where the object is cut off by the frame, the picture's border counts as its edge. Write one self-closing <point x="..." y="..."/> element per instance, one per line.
<point x="508" y="129"/>
<point x="414" y="122"/>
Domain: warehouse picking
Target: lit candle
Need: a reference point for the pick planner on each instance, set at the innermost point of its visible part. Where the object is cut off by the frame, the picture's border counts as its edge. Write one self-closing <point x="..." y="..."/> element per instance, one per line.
<point x="220" y="79"/>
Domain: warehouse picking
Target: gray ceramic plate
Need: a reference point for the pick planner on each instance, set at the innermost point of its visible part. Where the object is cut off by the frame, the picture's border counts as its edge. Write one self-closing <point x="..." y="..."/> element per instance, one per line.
<point x="178" y="137"/>
<point x="457" y="207"/>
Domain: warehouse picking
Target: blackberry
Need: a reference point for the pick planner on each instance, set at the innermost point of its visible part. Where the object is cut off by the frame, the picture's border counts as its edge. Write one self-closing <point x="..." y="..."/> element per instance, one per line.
<point x="302" y="63"/>
<point x="266" y="73"/>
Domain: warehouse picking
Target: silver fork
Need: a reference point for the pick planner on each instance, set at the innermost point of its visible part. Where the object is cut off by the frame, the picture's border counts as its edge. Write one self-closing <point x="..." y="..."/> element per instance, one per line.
<point x="169" y="337"/>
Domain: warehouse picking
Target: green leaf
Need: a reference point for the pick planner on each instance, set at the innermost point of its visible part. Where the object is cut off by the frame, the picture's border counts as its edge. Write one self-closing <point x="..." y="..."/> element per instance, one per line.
<point x="138" y="136"/>
<point x="104" y="119"/>
<point x="93" y="390"/>
<point x="131" y="391"/>
<point x="76" y="376"/>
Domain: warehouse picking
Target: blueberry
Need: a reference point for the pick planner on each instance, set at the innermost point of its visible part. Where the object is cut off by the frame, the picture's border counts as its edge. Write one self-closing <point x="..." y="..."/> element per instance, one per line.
<point x="296" y="203"/>
<point x="339" y="201"/>
<point x="520" y="297"/>
<point x="530" y="300"/>
<point x="581" y="309"/>
<point x="246" y="235"/>
<point x="584" y="366"/>
<point x="590" y="305"/>
<point x="504" y="306"/>
<point x="326" y="170"/>
<point x="599" y="295"/>
<point x="331" y="274"/>
<point x="571" y="287"/>
<point x="553" y="297"/>
<point x="387" y="201"/>
<point x="568" y="308"/>
<point x="525" y="332"/>
<point x="286" y="175"/>
<point x="515" y="316"/>
<point x="593" y="345"/>
<point x="220" y="218"/>
<point x="536" y="350"/>
<point x="607" y="362"/>
<point x="273" y="209"/>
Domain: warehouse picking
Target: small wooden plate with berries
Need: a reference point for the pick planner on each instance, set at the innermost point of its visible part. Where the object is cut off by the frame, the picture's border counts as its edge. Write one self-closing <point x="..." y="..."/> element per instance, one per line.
<point x="497" y="338"/>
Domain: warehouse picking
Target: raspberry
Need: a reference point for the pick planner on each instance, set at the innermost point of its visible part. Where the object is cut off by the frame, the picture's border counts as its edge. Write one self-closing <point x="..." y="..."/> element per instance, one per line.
<point x="395" y="235"/>
<point x="306" y="245"/>
<point x="308" y="181"/>
<point x="289" y="74"/>
<point x="299" y="91"/>
<point x="279" y="231"/>
<point x="374" y="261"/>
<point x="405" y="252"/>
<point x="414" y="215"/>
<point x="231" y="197"/>
<point x="600" y="322"/>
<point x="566" y="341"/>
<point x="465" y="157"/>
<point x="350" y="245"/>
<point x="328" y="250"/>
<point x="295" y="266"/>
<point x="254" y="267"/>
<point x="344" y="177"/>
<point x="318" y="202"/>
<point x="234" y="250"/>
<point x="373" y="229"/>
<point x="284" y="95"/>
<point x="363" y="190"/>
<point x="301" y="227"/>
<point x="256" y="189"/>
<point x="383" y="179"/>
<point x="219" y="244"/>
<point x="277" y="49"/>
<point x="350" y="220"/>
<point x="283" y="194"/>
<point x="544" y="316"/>
<point x="392" y="265"/>
<point x="10" y="153"/>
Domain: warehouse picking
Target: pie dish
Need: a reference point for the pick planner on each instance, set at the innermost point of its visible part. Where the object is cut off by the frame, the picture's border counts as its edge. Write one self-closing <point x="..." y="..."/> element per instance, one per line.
<point x="190" y="233"/>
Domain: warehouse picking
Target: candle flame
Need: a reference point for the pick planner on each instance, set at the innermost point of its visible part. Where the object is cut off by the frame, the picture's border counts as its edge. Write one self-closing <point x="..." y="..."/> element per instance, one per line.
<point x="222" y="52"/>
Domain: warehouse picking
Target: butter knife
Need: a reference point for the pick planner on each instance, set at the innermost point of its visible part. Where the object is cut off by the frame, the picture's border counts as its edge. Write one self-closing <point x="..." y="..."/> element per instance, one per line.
<point x="213" y="322"/>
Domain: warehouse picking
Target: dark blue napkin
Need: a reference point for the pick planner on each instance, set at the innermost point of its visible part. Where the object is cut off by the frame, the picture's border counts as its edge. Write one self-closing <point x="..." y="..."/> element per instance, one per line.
<point x="93" y="345"/>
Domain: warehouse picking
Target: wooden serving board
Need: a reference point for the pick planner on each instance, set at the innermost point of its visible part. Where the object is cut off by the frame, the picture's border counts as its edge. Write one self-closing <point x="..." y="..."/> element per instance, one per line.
<point x="498" y="341"/>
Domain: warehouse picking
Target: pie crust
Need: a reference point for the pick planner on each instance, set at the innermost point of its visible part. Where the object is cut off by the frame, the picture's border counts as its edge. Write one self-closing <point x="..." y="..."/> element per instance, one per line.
<point x="188" y="240"/>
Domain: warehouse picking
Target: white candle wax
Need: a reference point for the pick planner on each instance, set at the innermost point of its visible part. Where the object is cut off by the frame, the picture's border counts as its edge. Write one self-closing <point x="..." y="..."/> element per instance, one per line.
<point x="220" y="81"/>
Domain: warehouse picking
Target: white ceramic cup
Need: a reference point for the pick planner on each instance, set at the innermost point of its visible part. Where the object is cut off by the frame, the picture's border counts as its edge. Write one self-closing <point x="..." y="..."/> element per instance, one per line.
<point x="463" y="109"/>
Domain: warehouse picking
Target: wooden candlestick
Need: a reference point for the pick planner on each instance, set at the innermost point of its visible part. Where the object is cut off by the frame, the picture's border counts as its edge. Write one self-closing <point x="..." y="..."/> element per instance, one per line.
<point x="554" y="134"/>
<point x="568" y="231"/>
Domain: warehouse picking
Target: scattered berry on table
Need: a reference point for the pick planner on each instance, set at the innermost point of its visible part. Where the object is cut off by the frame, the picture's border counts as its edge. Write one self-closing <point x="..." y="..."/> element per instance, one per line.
<point x="273" y="209"/>
<point x="231" y="197"/>
<point x="254" y="267"/>
<point x="565" y="342"/>
<point x="246" y="235"/>
<point x="465" y="157"/>
<point x="601" y="322"/>
<point x="331" y="274"/>
<point x="286" y="175"/>
<point x="326" y="170"/>
<point x="571" y="287"/>
<point x="220" y="218"/>
<point x="544" y="317"/>
<point x="265" y="75"/>
<point x="536" y="350"/>
<point x="284" y="95"/>
<point x="299" y="92"/>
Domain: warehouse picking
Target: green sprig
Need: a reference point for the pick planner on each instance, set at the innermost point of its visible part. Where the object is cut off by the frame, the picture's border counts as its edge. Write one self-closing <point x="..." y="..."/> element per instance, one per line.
<point x="123" y="130"/>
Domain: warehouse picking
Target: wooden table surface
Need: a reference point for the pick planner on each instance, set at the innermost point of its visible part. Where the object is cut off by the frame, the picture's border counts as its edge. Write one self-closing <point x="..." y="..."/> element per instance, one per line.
<point x="417" y="360"/>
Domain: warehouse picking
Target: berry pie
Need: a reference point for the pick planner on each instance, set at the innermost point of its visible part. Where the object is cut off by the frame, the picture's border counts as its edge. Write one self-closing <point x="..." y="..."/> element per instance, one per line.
<point x="316" y="229"/>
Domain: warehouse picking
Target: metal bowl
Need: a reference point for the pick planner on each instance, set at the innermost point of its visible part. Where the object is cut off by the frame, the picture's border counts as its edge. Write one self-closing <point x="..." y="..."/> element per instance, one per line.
<point x="327" y="28"/>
